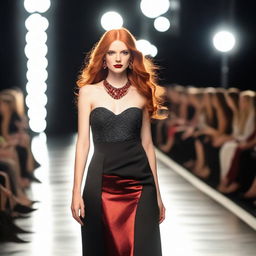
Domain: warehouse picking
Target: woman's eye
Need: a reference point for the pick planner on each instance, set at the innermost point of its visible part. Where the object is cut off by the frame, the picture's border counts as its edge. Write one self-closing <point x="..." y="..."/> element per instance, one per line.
<point x="125" y="52"/>
<point x="110" y="52"/>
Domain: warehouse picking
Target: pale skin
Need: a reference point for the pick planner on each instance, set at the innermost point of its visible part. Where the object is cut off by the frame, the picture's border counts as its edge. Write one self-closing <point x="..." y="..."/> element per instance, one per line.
<point x="94" y="95"/>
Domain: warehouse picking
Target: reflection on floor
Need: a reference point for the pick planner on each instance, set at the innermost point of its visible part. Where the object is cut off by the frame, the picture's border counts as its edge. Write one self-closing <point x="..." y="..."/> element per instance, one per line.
<point x="195" y="224"/>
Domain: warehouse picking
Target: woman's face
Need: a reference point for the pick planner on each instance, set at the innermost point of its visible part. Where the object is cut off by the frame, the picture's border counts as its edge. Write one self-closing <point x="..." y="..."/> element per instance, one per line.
<point x="117" y="57"/>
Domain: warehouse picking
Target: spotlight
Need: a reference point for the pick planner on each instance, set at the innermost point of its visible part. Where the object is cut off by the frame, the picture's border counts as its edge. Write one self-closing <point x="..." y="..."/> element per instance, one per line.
<point x="224" y="41"/>
<point x="111" y="20"/>
<point x="37" y="62"/>
<point x="153" y="50"/>
<point x="161" y="24"/>
<point x="37" y="124"/>
<point x="37" y="6"/>
<point x="36" y="36"/>
<point x="38" y="87"/>
<point x="146" y="47"/>
<point x="36" y="50"/>
<point x="38" y="100"/>
<point x="153" y="8"/>
<point x="36" y="22"/>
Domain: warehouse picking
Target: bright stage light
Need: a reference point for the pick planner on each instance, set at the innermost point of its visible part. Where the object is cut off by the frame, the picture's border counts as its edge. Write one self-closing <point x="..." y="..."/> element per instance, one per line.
<point x="41" y="62"/>
<point x="37" y="74"/>
<point x="36" y="50"/>
<point x="37" y="124"/>
<point x="38" y="100"/>
<point x="161" y="24"/>
<point x="153" y="8"/>
<point x="224" y="41"/>
<point x="37" y="5"/>
<point x="38" y="87"/>
<point x="153" y="50"/>
<point x="111" y="20"/>
<point x="36" y="22"/>
<point x="36" y="36"/>
<point x="37" y="111"/>
<point x="146" y="47"/>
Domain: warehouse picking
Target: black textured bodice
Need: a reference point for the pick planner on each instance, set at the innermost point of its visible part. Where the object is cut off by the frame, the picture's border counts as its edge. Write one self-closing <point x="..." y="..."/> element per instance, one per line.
<point x="109" y="127"/>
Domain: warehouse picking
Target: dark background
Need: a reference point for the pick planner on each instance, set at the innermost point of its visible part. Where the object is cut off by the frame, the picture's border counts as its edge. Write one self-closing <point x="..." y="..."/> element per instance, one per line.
<point x="187" y="56"/>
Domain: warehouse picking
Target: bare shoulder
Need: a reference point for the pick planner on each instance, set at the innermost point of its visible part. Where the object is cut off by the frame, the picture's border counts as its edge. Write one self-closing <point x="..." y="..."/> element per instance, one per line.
<point x="89" y="89"/>
<point x="140" y="98"/>
<point x="92" y="93"/>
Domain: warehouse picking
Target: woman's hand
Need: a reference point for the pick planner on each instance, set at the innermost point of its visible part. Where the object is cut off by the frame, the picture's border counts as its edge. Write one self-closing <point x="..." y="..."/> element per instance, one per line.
<point x="161" y="210"/>
<point x="76" y="205"/>
<point x="188" y="133"/>
<point x="243" y="145"/>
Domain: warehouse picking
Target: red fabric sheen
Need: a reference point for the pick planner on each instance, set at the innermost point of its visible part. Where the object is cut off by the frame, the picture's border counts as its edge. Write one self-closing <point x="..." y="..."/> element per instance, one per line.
<point x="119" y="203"/>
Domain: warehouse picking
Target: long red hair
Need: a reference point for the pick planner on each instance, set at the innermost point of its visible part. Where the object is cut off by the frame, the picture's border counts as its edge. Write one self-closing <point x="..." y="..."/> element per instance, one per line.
<point x="142" y="75"/>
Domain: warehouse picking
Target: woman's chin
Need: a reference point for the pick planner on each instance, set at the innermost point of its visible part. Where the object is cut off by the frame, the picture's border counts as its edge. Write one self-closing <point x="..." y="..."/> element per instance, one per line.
<point x="118" y="71"/>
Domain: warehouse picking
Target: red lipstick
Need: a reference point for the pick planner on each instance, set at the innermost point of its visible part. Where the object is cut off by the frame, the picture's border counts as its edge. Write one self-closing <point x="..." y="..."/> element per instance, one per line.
<point x="118" y="66"/>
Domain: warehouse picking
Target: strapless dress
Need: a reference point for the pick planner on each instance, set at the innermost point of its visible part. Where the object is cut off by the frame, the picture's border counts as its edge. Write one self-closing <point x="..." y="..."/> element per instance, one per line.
<point x="121" y="210"/>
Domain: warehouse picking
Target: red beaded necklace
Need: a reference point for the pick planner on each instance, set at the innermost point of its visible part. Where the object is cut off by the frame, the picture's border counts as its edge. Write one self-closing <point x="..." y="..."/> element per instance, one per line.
<point x="114" y="92"/>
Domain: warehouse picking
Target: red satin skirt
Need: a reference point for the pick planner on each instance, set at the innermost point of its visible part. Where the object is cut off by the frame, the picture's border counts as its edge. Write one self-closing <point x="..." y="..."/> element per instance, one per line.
<point x="119" y="203"/>
<point x="121" y="210"/>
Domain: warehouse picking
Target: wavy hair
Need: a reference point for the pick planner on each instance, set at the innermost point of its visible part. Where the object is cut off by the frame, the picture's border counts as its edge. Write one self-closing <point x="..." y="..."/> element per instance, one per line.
<point x="244" y="114"/>
<point x="142" y="75"/>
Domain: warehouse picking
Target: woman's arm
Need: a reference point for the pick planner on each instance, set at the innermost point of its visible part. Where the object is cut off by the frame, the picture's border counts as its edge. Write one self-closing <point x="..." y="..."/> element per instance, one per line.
<point x="83" y="138"/>
<point x="148" y="146"/>
<point x="222" y="122"/>
<point x="82" y="149"/>
<point x="247" y="144"/>
<point x="6" y="117"/>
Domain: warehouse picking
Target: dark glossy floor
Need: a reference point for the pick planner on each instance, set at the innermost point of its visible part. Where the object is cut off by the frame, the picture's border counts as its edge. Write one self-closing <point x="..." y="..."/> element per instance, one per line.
<point x="195" y="224"/>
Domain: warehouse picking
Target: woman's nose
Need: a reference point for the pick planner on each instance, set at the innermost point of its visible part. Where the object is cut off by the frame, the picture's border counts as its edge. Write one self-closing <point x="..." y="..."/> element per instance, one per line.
<point x="118" y="59"/>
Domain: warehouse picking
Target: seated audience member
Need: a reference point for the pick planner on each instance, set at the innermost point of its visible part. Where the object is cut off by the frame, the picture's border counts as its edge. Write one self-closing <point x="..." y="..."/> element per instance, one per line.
<point x="243" y="128"/>
<point x="17" y="165"/>
<point x="12" y="129"/>
<point x="176" y="117"/>
<point x="207" y="149"/>
<point x="212" y="133"/>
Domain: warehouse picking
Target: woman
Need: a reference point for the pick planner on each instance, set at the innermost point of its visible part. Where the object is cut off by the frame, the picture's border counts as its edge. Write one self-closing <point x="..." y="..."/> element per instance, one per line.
<point x="243" y="128"/>
<point x="120" y="205"/>
<point x="18" y="127"/>
<point x="177" y="118"/>
<point x="11" y="128"/>
<point x="206" y="145"/>
<point x="208" y="118"/>
<point x="165" y="128"/>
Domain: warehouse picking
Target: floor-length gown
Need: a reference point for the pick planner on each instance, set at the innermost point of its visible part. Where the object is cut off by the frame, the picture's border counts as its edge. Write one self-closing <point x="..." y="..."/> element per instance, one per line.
<point x="121" y="210"/>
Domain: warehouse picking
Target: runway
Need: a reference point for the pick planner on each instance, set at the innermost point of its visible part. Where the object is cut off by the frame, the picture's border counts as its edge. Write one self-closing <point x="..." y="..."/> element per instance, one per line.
<point x="195" y="224"/>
